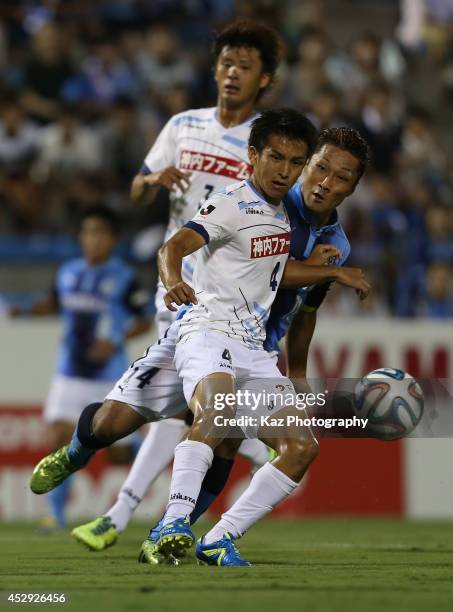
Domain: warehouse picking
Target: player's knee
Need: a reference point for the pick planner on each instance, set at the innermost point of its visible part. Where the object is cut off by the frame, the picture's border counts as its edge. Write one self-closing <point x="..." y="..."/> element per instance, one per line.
<point x="115" y="420"/>
<point x="304" y="451"/>
<point x="104" y="425"/>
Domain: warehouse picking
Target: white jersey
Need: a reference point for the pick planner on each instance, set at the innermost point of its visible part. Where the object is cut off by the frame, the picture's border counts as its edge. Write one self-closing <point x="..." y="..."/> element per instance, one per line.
<point x="196" y="142"/>
<point x="238" y="272"/>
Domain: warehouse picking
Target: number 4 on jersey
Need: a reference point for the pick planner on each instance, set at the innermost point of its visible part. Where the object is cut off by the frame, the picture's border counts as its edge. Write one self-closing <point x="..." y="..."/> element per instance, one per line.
<point x="274" y="283"/>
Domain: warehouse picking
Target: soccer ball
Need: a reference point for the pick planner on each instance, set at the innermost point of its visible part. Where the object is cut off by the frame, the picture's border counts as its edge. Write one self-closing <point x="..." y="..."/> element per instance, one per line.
<point x="391" y="400"/>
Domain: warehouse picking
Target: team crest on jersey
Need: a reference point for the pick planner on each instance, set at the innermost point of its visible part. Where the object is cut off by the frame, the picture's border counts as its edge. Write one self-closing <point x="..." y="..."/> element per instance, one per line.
<point x="266" y="246"/>
<point x="207" y="210"/>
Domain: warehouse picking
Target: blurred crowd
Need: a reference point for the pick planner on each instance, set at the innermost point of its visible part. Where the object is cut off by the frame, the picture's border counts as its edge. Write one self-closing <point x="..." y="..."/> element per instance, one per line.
<point x="86" y="86"/>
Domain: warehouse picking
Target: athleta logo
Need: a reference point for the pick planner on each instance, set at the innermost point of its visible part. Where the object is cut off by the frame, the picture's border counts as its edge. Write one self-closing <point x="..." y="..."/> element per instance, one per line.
<point x="132" y="495"/>
<point x="265" y="246"/>
<point x="214" y="164"/>
<point x="207" y="210"/>
<point x="182" y="497"/>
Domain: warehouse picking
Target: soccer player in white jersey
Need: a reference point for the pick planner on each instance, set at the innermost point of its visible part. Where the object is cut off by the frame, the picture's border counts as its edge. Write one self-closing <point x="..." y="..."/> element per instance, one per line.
<point x="200" y="151"/>
<point x="242" y="237"/>
<point x="150" y="389"/>
<point x="197" y="153"/>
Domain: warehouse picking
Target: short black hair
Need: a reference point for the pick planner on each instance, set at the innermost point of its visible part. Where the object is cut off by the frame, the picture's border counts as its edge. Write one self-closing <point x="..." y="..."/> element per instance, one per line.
<point x="350" y="140"/>
<point x="245" y="33"/>
<point x="283" y="122"/>
<point x="102" y="212"/>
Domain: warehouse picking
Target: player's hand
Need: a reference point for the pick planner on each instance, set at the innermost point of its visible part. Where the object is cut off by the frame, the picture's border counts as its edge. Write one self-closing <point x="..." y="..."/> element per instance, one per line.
<point x="179" y="294"/>
<point x="355" y="278"/>
<point x="101" y="351"/>
<point x="322" y="255"/>
<point x="171" y="178"/>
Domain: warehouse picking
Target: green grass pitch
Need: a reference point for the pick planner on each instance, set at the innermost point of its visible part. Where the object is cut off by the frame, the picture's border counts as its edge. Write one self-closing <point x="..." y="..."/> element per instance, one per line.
<point x="312" y="565"/>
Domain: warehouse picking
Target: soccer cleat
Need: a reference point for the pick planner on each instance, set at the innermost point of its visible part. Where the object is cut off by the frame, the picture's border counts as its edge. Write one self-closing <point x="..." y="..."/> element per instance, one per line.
<point x="98" y="534"/>
<point x="175" y="537"/>
<point x="151" y="555"/>
<point x="51" y="471"/>
<point x="220" y="553"/>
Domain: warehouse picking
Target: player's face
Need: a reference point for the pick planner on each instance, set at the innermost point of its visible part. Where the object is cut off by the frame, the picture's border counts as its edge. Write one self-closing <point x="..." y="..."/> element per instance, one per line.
<point x="330" y="176"/>
<point x="97" y="240"/>
<point x="278" y="166"/>
<point x="239" y="76"/>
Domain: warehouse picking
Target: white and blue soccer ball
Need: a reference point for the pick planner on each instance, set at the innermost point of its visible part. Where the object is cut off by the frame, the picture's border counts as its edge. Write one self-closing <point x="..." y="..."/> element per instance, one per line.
<point x="391" y="400"/>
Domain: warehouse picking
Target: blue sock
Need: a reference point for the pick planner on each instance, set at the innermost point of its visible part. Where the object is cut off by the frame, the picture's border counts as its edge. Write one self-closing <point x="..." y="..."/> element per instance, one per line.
<point x="212" y="486"/>
<point x="79" y="454"/>
<point x="205" y="499"/>
<point x="58" y="499"/>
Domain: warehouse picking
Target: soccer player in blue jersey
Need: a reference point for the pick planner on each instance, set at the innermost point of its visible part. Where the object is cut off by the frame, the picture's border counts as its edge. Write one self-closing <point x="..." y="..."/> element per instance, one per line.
<point x="101" y="305"/>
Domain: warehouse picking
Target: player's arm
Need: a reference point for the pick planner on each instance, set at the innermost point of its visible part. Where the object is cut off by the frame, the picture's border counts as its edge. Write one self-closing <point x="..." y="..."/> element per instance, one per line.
<point x="298" y="341"/>
<point x="139" y="326"/>
<point x="299" y="274"/>
<point x="47" y="306"/>
<point x="145" y="187"/>
<point x="184" y="242"/>
<point x="159" y="168"/>
<point x="137" y="301"/>
<point x="314" y="270"/>
<point x="300" y="334"/>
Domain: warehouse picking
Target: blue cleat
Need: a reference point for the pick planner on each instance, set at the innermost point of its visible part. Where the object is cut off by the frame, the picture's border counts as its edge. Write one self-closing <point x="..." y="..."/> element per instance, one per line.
<point x="220" y="553"/>
<point x="175" y="538"/>
<point x="154" y="532"/>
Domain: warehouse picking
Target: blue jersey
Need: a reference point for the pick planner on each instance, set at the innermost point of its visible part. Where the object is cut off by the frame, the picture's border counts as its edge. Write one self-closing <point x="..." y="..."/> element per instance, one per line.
<point x="96" y="302"/>
<point x="304" y="237"/>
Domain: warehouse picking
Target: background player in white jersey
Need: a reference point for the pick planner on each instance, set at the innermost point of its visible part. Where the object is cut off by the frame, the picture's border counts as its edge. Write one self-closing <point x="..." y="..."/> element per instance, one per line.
<point x="243" y="239"/>
<point x="197" y="153"/>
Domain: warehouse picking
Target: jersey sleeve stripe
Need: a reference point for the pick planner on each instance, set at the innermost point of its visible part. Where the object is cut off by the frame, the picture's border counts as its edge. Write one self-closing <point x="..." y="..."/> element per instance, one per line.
<point x="199" y="229"/>
<point x="144" y="170"/>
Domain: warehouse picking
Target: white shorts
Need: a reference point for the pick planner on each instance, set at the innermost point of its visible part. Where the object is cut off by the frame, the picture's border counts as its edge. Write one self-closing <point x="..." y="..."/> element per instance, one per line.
<point x="256" y="371"/>
<point x="69" y="395"/>
<point x="151" y="385"/>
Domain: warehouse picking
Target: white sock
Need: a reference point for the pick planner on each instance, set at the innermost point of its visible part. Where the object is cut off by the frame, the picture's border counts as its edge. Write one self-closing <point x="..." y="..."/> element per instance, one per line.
<point x="255" y="451"/>
<point x="267" y="488"/>
<point x="192" y="461"/>
<point x="155" y="454"/>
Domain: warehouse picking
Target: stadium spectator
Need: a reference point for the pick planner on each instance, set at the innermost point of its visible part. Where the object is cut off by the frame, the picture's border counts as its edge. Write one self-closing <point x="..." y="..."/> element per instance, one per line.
<point x="308" y="76"/>
<point x="161" y="62"/>
<point x="45" y="72"/>
<point x="380" y="123"/>
<point x="18" y="148"/>
<point x="125" y="138"/>
<point x="437" y="299"/>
